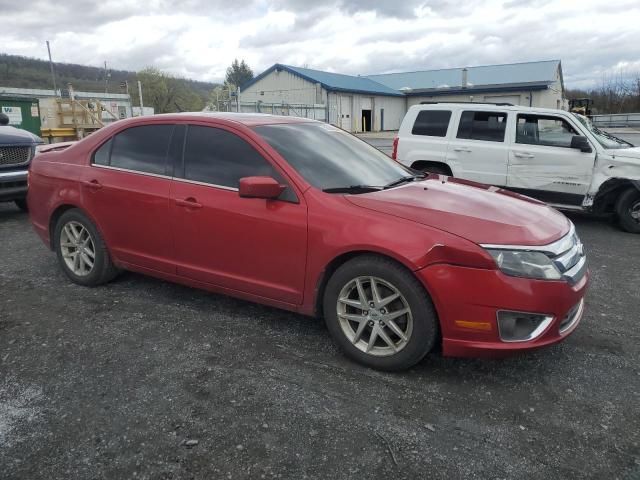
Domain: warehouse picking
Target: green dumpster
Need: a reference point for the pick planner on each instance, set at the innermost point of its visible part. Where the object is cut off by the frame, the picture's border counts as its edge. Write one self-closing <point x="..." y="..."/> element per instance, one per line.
<point x="22" y="112"/>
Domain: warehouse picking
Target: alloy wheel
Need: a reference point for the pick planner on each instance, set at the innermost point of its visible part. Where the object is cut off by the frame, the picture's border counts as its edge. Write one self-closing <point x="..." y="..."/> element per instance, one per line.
<point x="78" y="249"/>
<point x="634" y="211"/>
<point x="374" y="316"/>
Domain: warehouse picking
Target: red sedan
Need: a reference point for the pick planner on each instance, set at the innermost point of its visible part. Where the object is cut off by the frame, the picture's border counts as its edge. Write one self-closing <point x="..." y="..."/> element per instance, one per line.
<point x="303" y="216"/>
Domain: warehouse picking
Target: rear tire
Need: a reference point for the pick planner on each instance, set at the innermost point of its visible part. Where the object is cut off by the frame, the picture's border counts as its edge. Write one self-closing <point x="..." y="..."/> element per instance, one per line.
<point x="628" y="210"/>
<point x="401" y="339"/>
<point x="81" y="251"/>
<point x="22" y="204"/>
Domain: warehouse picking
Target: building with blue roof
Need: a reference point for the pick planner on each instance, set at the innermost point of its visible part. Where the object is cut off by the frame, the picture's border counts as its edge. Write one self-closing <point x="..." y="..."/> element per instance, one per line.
<point x="379" y="102"/>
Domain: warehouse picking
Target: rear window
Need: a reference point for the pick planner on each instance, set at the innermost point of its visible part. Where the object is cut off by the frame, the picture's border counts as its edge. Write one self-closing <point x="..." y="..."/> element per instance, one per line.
<point x="486" y="126"/>
<point x="142" y="149"/>
<point x="432" y="123"/>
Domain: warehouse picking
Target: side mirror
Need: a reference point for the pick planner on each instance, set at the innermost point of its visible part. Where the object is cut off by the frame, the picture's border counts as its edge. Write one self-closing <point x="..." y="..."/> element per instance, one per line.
<point x="260" y="187"/>
<point x="581" y="143"/>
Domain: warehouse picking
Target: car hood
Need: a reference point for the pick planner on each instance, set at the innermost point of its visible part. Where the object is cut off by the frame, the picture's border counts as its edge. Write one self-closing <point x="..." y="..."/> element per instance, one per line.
<point x="633" y="152"/>
<point x="477" y="212"/>
<point x="16" y="136"/>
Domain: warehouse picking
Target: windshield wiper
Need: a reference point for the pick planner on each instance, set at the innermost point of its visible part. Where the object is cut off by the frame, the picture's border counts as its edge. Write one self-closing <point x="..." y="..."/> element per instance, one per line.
<point x="611" y="137"/>
<point x="354" y="189"/>
<point x="401" y="180"/>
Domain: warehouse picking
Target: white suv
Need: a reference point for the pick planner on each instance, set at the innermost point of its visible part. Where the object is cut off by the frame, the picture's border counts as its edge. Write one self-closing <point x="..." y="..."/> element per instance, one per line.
<point x="553" y="155"/>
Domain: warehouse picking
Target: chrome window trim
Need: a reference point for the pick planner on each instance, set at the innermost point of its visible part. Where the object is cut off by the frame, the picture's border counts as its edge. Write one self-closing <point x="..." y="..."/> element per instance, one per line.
<point x="19" y="174"/>
<point x="555" y="248"/>
<point x="205" y="184"/>
<point x="167" y="177"/>
<point x="128" y="170"/>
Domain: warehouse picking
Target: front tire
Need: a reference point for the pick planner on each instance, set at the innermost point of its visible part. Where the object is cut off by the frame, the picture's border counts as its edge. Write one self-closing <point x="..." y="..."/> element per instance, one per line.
<point x="379" y="314"/>
<point x="628" y="209"/>
<point x="81" y="251"/>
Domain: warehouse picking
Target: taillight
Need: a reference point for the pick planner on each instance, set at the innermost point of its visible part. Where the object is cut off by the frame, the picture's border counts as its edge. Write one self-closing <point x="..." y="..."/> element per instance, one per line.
<point x="394" y="153"/>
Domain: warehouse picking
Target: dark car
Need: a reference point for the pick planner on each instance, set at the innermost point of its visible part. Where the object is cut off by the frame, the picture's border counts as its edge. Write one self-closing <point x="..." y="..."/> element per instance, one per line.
<point x="17" y="148"/>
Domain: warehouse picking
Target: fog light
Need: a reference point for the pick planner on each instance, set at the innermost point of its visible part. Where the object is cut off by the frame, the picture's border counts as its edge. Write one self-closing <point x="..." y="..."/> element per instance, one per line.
<point x="520" y="326"/>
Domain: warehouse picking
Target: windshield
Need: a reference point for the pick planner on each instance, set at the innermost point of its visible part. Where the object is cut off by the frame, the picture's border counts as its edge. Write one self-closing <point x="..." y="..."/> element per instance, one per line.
<point x="330" y="158"/>
<point x="605" y="139"/>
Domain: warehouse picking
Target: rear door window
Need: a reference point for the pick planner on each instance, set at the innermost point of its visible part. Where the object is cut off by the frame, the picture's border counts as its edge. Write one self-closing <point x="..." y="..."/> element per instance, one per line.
<point x="142" y="149"/>
<point x="548" y="131"/>
<point x="485" y="126"/>
<point x="432" y="123"/>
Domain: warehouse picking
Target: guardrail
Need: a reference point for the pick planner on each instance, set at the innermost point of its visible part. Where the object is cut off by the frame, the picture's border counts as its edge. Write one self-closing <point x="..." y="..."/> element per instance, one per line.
<point x="617" y="120"/>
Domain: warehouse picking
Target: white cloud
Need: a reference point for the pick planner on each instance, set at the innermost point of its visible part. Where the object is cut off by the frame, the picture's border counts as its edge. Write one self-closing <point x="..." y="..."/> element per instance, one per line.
<point x="199" y="39"/>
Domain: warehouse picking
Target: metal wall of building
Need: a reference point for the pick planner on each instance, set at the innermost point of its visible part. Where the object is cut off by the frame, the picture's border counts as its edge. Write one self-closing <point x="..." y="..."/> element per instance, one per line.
<point x="342" y="104"/>
<point x="548" y="98"/>
<point x="283" y="87"/>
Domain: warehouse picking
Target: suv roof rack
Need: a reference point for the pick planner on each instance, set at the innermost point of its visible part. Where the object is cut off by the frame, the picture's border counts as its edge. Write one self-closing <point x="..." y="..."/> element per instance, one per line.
<point x="499" y="104"/>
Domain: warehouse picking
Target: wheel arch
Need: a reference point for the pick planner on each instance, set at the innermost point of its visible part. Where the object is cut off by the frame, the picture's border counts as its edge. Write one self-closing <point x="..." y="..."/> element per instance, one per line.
<point x="59" y="211"/>
<point x="422" y="164"/>
<point x="606" y="198"/>
<point x="53" y="220"/>
<point x="343" y="258"/>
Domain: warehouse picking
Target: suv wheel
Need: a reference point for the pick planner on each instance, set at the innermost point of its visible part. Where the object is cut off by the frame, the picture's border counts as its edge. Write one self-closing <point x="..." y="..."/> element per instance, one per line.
<point x="379" y="314"/>
<point x="628" y="209"/>
<point x="81" y="250"/>
<point x="22" y="204"/>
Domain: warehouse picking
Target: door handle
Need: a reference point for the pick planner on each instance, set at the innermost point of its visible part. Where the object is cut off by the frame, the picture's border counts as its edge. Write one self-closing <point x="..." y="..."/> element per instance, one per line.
<point x="461" y="149"/>
<point x="92" y="184"/>
<point x="523" y="155"/>
<point x="188" y="203"/>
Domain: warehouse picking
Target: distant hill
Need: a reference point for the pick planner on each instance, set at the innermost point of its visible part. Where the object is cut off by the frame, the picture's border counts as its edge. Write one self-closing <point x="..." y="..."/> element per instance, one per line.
<point x="23" y="72"/>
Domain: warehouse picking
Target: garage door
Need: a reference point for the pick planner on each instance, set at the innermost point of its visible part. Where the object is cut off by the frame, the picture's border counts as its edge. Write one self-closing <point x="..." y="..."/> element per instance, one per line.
<point x="513" y="99"/>
<point x="345" y="112"/>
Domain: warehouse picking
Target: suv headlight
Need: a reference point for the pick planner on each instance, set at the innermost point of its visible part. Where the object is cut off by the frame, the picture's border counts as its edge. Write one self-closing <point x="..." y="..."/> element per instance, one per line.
<point x="523" y="263"/>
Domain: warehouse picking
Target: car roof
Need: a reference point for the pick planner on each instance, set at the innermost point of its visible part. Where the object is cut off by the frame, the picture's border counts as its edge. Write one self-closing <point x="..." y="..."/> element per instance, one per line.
<point x="483" y="106"/>
<point x="248" y="119"/>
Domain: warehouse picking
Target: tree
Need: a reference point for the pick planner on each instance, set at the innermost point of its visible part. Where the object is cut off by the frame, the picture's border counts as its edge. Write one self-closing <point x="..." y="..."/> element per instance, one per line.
<point x="238" y="74"/>
<point x="167" y="94"/>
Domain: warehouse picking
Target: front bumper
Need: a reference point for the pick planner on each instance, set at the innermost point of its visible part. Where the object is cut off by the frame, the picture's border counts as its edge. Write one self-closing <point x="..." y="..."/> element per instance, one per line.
<point x="467" y="301"/>
<point x="13" y="185"/>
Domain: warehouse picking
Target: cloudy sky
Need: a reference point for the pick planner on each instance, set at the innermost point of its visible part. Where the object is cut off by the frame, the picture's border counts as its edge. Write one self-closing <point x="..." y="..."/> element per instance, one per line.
<point x="200" y="38"/>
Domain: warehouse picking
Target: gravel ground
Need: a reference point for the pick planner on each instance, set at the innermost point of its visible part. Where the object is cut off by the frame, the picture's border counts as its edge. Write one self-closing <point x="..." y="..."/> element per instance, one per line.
<point x="145" y="379"/>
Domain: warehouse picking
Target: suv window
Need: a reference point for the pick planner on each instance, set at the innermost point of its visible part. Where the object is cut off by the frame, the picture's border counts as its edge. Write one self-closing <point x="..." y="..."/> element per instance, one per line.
<point x="487" y="126"/>
<point x="143" y="149"/>
<point x="432" y="123"/>
<point x="541" y="130"/>
<point x="219" y="157"/>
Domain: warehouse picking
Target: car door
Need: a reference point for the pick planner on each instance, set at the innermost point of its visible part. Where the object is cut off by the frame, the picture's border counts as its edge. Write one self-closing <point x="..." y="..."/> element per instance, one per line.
<point x="249" y="245"/>
<point x="542" y="162"/>
<point x="478" y="151"/>
<point x="125" y="190"/>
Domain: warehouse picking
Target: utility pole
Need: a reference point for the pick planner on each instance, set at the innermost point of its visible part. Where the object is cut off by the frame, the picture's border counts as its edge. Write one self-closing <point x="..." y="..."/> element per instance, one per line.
<point x="140" y="94"/>
<point x="106" y="77"/>
<point x="53" y="72"/>
<point x="238" y="99"/>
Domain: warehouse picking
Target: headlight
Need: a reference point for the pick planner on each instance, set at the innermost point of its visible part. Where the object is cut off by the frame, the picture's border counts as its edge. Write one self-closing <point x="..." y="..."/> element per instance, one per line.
<point x="522" y="263"/>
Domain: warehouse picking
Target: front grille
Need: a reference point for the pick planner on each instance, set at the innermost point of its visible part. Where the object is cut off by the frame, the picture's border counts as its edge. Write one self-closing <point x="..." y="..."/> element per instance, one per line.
<point x="14" y="155"/>
<point x="570" y="260"/>
<point x="18" y="184"/>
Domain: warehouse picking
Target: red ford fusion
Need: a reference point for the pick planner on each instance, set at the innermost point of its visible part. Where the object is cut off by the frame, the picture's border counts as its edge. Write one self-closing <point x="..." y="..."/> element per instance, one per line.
<point x="303" y="216"/>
